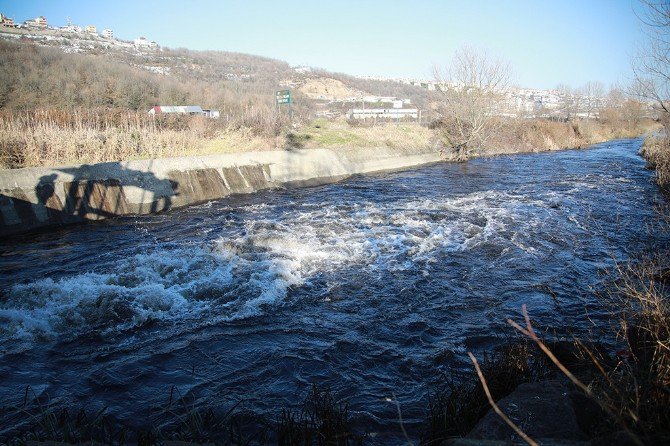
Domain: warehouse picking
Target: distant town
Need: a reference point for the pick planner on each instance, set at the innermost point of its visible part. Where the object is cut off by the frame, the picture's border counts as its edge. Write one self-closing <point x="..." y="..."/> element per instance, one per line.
<point x="41" y="23"/>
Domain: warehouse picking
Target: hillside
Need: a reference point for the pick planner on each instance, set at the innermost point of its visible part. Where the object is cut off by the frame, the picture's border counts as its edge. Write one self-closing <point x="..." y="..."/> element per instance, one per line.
<point x="52" y="68"/>
<point x="74" y="98"/>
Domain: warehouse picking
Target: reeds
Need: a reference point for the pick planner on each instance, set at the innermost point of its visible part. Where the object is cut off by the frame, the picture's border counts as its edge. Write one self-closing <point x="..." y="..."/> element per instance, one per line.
<point x="54" y="137"/>
<point x="321" y="421"/>
<point x="48" y="138"/>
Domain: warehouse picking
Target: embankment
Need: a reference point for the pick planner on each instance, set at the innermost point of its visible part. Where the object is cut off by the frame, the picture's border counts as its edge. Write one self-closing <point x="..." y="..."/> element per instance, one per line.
<point x="31" y="198"/>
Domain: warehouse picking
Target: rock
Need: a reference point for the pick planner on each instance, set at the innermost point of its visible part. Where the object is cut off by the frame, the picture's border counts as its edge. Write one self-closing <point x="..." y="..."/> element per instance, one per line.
<point x="591" y="418"/>
<point x="619" y="438"/>
<point x="542" y="410"/>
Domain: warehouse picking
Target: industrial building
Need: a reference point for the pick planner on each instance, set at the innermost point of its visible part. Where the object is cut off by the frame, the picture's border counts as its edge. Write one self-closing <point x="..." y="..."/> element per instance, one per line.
<point x="383" y="113"/>
<point x="184" y="110"/>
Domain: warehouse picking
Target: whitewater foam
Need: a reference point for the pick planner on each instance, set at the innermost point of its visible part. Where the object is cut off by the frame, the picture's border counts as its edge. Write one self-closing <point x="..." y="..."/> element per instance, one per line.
<point x="254" y="266"/>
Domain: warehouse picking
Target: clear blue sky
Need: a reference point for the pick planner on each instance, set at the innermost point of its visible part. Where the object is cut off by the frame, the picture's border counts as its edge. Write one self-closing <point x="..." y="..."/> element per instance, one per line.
<point x="547" y="42"/>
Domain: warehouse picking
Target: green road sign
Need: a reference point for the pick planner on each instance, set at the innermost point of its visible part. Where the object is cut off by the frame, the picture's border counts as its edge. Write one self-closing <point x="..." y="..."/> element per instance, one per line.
<point x="283" y="97"/>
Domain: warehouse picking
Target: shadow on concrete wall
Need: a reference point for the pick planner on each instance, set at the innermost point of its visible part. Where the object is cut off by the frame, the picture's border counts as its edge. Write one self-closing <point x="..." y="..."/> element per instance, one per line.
<point x="87" y="192"/>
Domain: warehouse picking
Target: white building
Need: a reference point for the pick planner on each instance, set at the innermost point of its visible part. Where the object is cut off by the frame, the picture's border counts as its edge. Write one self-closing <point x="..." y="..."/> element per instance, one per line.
<point x="184" y="110"/>
<point x="37" y="23"/>
<point x="71" y="29"/>
<point x="142" y="42"/>
<point x="383" y="113"/>
<point x="107" y="33"/>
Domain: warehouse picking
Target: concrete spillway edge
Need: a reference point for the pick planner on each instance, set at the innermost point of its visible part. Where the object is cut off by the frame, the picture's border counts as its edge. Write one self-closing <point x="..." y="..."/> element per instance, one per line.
<point x="33" y="198"/>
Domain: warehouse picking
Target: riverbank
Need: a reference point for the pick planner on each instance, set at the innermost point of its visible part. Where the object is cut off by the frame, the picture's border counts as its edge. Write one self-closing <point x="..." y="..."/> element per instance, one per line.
<point x="53" y="138"/>
<point x="127" y="163"/>
<point x="656" y="150"/>
<point x="38" y="197"/>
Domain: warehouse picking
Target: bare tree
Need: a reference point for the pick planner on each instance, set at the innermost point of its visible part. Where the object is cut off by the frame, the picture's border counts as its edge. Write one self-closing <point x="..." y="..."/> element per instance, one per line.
<point x="651" y="67"/>
<point x="592" y="98"/>
<point x="568" y="104"/>
<point x="473" y="89"/>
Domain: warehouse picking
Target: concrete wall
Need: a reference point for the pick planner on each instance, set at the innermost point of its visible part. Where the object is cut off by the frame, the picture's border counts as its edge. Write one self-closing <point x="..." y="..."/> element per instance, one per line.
<point x="40" y="197"/>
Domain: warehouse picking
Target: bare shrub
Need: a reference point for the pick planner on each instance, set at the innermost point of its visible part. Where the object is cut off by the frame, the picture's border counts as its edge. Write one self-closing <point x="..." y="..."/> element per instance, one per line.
<point x="657" y="153"/>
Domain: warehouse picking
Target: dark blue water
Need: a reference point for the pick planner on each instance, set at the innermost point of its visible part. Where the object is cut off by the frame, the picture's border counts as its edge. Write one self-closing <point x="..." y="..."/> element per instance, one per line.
<point x="375" y="286"/>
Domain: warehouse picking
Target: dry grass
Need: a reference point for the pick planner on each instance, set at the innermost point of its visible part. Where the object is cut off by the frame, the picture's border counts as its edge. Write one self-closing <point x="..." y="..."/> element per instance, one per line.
<point x="638" y="389"/>
<point x="51" y="138"/>
<point x="321" y="421"/>
<point x="657" y="153"/>
<point x="538" y="135"/>
<point x="455" y="409"/>
<point x="323" y="133"/>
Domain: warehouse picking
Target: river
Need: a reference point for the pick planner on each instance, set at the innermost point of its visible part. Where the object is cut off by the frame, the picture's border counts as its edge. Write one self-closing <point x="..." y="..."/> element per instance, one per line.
<point x="375" y="286"/>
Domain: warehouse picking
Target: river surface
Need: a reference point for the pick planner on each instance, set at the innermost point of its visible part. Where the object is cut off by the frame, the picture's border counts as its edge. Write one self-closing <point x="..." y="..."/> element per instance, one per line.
<point x="375" y="287"/>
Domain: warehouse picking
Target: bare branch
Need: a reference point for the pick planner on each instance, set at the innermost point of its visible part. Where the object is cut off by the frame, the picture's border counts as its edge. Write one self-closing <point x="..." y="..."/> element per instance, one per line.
<point x="495" y="407"/>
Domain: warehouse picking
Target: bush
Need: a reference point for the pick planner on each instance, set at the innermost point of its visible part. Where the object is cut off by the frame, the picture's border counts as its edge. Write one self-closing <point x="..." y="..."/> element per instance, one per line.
<point x="657" y="153"/>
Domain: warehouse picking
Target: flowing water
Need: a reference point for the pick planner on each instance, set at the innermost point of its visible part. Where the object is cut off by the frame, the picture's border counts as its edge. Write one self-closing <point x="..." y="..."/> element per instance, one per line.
<point x="376" y="286"/>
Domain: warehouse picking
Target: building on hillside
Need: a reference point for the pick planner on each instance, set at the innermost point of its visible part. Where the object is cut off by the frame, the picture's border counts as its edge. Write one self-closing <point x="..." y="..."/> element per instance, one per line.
<point x="71" y="29"/>
<point x="92" y="30"/>
<point x="107" y="33"/>
<point x="214" y="114"/>
<point x="6" y="21"/>
<point x="178" y="109"/>
<point x="142" y="42"/>
<point x="383" y="113"/>
<point x="122" y="44"/>
<point x="37" y="23"/>
<point x="41" y="22"/>
<point x="184" y="110"/>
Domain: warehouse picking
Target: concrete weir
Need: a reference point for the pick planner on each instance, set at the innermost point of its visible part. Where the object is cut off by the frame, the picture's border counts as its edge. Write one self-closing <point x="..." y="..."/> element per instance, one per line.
<point x="38" y="197"/>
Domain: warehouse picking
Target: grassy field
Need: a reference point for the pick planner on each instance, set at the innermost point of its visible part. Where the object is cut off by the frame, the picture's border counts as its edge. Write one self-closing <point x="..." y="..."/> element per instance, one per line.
<point x="323" y="133"/>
